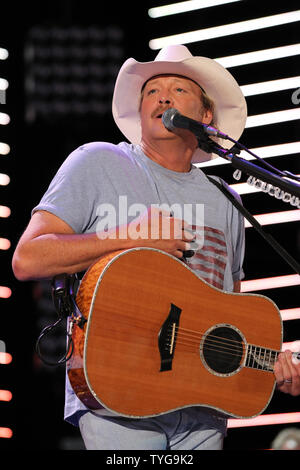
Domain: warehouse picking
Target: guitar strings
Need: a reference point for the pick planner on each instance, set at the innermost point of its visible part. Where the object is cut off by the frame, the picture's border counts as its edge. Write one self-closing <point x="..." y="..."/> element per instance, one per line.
<point x="256" y="361"/>
<point x="188" y="348"/>
<point x="259" y="362"/>
<point x="219" y="344"/>
<point x="199" y="335"/>
<point x="214" y="346"/>
<point x="191" y="338"/>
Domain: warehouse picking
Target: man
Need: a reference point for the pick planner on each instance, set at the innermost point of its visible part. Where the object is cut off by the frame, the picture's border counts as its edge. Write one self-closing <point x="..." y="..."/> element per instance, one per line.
<point x="65" y="232"/>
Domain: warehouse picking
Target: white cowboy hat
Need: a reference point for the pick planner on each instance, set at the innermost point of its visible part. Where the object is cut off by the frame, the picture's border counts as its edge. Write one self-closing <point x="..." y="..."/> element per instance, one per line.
<point x="230" y="105"/>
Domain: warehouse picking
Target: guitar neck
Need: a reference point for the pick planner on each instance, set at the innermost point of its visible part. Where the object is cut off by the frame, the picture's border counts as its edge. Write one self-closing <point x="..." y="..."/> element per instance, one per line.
<point x="261" y="358"/>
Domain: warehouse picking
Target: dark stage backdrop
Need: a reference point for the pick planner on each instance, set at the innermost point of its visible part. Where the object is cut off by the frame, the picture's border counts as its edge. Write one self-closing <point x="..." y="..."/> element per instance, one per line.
<point x="63" y="60"/>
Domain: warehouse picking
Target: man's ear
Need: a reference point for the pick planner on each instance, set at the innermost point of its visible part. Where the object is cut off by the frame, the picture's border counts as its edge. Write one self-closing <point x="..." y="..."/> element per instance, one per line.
<point x="207" y="117"/>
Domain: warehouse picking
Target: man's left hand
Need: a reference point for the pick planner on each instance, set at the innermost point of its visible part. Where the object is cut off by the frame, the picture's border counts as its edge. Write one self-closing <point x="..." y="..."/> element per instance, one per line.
<point x="287" y="373"/>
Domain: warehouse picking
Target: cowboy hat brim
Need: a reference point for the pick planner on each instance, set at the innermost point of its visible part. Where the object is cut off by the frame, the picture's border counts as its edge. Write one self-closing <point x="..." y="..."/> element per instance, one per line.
<point x="230" y="105"/>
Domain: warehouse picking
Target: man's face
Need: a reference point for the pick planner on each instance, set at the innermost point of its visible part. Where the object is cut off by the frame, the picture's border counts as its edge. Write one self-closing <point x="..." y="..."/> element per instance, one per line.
<point x="170" y="91"/>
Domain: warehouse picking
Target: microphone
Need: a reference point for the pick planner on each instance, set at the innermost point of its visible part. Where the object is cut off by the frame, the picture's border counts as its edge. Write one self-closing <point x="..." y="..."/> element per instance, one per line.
<point x="172" y="119"/>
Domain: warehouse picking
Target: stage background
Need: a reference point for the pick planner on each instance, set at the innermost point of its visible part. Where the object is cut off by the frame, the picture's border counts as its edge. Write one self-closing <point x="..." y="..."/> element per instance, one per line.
<point x="48" y="121"/>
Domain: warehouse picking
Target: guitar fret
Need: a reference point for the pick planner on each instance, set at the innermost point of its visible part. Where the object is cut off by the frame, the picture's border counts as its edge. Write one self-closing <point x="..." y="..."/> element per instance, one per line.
<point x="261" y="362"/>
<point x="248" y="355"/>
<point x="250" y="358"/>
<point x="264" y="360"/>
<point x="269" y="358"/>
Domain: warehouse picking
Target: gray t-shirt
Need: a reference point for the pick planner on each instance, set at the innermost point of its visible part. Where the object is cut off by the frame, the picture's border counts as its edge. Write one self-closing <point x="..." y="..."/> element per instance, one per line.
<point x="101" y="184"/>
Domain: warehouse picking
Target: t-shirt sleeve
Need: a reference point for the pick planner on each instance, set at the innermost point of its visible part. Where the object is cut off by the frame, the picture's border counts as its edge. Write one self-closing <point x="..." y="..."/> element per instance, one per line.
<point x="72" y="192"/>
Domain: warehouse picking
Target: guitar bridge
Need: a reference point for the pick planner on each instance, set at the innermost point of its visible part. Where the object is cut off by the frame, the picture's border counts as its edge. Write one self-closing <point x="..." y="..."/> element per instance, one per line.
<point x="167" y="338"/>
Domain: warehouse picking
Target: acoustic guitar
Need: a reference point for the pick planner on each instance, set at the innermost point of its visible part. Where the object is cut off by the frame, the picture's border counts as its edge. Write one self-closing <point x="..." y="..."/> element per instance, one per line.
<point x="159" y="338"/>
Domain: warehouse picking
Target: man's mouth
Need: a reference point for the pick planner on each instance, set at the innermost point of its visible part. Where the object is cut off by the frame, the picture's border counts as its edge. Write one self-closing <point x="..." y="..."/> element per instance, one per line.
<point x="157" y="114"/>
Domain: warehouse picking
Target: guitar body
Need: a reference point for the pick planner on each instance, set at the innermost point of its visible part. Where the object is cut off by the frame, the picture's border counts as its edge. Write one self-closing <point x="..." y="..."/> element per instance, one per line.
<point x="151" y="325"/>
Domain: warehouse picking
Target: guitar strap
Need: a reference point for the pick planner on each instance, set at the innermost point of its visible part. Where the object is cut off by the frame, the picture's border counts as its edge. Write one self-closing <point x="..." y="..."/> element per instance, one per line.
<point x="274" y="244"/>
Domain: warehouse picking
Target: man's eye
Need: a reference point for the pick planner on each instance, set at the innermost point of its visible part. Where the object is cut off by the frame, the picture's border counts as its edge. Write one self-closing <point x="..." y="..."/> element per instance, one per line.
<point x="181" y="90"/>
<point x="152" y="91"/>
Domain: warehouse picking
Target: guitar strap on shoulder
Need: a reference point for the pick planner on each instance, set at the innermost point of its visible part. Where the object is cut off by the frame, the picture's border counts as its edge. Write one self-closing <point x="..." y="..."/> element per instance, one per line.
<point x="274" y="244"/>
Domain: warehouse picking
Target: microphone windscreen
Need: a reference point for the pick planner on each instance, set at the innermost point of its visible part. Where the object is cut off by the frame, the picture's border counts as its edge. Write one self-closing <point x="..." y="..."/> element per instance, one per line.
<point x="167" y="118"/>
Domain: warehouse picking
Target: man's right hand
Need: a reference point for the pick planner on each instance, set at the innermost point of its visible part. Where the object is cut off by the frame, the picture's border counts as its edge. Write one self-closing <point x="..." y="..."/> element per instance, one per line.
<point x="158" y="229"/>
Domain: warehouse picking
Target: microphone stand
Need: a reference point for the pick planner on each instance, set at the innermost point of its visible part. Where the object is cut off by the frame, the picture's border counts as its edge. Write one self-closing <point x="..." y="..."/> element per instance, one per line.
<point x="268" y="181"/>
<point x="256" y="171"/>
<point x="209" y="146"/>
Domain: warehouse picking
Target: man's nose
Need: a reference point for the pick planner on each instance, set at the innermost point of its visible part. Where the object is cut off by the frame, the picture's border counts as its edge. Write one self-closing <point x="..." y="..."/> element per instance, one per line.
<point x="163" y="100"/>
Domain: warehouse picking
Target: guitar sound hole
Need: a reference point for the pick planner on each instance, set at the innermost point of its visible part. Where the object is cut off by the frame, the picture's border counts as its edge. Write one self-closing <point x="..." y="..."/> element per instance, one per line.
<point x="221" y="349"/>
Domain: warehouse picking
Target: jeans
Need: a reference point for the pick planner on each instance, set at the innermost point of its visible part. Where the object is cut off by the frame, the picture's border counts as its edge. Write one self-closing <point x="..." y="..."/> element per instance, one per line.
<point x="179" y="430"/>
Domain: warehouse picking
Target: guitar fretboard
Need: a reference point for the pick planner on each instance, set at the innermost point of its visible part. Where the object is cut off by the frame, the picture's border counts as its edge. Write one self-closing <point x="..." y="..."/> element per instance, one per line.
<point x="260" y="358"/>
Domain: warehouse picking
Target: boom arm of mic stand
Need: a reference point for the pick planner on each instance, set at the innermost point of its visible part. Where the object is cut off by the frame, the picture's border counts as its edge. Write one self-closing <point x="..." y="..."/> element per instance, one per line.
<point x="258" y="172"/>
